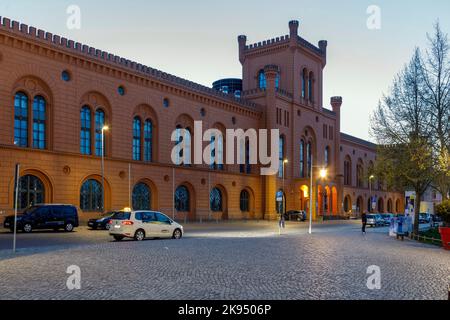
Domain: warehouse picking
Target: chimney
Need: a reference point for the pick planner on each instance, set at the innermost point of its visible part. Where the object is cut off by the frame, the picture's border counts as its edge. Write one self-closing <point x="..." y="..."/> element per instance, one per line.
<point x="336" y="103"/>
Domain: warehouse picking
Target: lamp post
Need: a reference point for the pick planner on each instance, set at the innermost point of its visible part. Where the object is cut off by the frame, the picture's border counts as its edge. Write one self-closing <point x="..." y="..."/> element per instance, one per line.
<point x="323" y="174"/>
<point x="104" y="128"/>
<point x="370" y="191"/>
<point x="285" y="162"/>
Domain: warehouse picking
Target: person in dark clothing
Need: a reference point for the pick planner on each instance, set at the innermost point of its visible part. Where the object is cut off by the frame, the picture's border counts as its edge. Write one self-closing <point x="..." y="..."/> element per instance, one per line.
<point x="364" y="222"/>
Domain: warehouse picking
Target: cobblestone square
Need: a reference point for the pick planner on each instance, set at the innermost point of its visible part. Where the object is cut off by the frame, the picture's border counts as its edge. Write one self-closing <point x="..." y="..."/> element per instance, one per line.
<point x="227" y="261"/>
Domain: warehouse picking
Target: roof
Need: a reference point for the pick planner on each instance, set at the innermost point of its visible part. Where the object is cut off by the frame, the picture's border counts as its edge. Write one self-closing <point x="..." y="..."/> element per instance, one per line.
<point x="368" y="144"/>
<point x="70" y="46"/>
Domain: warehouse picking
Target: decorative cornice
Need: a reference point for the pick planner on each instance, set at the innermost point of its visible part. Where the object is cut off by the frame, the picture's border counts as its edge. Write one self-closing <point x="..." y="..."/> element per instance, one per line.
<point x="100" y="60"/>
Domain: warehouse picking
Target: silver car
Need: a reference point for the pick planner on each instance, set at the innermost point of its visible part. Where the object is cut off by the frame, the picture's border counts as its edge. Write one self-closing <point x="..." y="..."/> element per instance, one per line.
<point x="139" y="225"/>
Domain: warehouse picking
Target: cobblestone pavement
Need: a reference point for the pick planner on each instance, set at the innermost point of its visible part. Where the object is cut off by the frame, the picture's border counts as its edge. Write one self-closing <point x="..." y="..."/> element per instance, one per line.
<point x="232" y="261"/>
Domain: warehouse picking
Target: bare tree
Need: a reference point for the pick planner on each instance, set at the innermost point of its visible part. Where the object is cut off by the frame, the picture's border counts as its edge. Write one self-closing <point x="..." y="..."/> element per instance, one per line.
<point x="401" y="127"/>
<point x="436" y="95"/>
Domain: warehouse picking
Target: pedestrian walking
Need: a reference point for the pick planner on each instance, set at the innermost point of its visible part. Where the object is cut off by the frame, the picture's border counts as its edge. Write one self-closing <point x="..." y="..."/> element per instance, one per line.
<point x="364" y="222"/>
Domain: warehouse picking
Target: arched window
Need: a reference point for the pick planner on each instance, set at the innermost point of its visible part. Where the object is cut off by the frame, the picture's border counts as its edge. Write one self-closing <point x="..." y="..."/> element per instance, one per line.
<point x="281" y="155"/>
<point x="360" y="174"/>
<point x="327" y="156"/>
<point x="148" y="141"/>
<point x="137" y="139"/>
<point x="142" y="197"/>
<point x="99" y="124"/>
<point x="183" y="136"/>
<point x="247" y="167"/>
<point x="302" y="158"/>
<point x="215" y="200"/>
<point x="280" y="202"/>
<point x="277" y="80"/>
<point x="217" y="153"/>
<point x="309" y="157"/>
<point x="347" y="171"/>
<point x="245" y="201"/>
<point x="310" y="87"/>
<point x="91" y="196"/>
<point x="21" y="120"/>
<point x="262" y="83"/>
<point x="39" y="122"/>
<point x="304" y="79"/>
<point x="85" y="132"/>
<point x="31" y="192"/>
<point x="182" y="199"/>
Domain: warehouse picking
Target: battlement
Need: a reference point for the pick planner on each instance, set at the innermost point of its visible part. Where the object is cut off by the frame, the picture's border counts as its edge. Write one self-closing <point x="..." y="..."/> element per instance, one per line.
<point x="292" y="39"/>
<point x="73" y="47"/>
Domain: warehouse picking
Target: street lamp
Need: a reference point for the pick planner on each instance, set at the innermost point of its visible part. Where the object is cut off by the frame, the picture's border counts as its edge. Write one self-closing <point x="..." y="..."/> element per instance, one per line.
<point x="104" y="128"/>
<point x="285" y="162"/>
<point x="370" y="191"/>
<point x="323" y="174"/>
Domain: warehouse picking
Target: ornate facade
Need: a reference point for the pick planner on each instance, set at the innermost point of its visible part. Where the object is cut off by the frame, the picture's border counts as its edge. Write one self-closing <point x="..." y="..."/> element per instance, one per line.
<point x="56" y="95"/>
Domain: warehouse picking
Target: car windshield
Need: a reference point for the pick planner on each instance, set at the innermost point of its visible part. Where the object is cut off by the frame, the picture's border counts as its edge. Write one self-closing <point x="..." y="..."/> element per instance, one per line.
<point x="121" y="215"/>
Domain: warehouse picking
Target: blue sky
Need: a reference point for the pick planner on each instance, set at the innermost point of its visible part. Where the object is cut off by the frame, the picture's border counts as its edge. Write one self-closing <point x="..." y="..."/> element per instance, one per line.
<point x="196" y="39"/>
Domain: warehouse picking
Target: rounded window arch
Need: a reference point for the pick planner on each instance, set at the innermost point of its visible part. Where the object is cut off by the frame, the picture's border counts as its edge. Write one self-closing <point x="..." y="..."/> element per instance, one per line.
<point x="31" y="191"/>
<point x="85" y="131"/>
<point x="244" y="202"/>
<point x="142" y="197"/>
<point x="262" y="82"/>
<point x="216" y="200"/>
<point x="348" y="171"/>
<point x="327" y="156"/>
<point x="100" y="122"/>
<point x="137" y="134"/>
<point x="91" y="196"/>
<point x="311" y="87"/>
<point x="21" y="119"/>
<point x="182" y="199"/>
<point x="348" y="204"/>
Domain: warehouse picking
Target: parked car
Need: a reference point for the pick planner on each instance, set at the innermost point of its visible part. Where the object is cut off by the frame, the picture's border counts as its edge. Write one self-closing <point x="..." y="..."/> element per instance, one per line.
<point x="387" y="218"/>
<point x="45" y="216"/>
<point x="139" y="225"/>
<point x="295" y="215"/>
<point x="101" y="222"/>
<point x="375" y="220"/>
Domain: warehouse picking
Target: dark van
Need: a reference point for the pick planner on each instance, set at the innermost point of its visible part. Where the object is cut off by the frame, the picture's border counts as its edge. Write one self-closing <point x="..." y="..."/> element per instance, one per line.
<point x="54" y="216"/>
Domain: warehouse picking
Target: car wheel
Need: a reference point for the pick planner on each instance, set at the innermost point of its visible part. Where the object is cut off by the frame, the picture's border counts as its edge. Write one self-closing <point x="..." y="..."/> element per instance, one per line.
<point x="177" y="234"/>
<point x="68" y="227"/>
<point x="107" y="226"/>
<point x="118" y="238"/>
<point x="94" y="228"/>
<point x="139" y="235"/>
<point x="27" y="228"/>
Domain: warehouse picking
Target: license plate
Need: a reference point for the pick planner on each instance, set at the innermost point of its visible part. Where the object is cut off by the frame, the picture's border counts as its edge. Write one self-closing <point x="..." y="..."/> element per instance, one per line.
<point x="117" y="226"/>
<point x="6" y="224"/>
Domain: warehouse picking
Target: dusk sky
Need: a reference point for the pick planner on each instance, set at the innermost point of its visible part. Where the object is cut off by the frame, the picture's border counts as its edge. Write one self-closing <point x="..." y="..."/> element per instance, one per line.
<point x="197" y="39"/>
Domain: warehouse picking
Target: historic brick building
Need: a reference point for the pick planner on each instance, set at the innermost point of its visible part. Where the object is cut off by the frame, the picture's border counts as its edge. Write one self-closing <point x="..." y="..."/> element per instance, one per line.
<point x="56" y="95"/>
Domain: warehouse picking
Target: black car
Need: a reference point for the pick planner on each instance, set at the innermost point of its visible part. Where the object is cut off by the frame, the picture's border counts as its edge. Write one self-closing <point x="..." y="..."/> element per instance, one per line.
<point x="101" y="222"/>
<point x="45" y="217"/>
<point x="295" y="215"/>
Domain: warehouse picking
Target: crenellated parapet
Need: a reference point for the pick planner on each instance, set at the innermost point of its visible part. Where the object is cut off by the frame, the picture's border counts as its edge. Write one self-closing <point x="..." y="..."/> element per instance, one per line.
<point x="76" y="48"/>
<point x="292" y="40"/>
